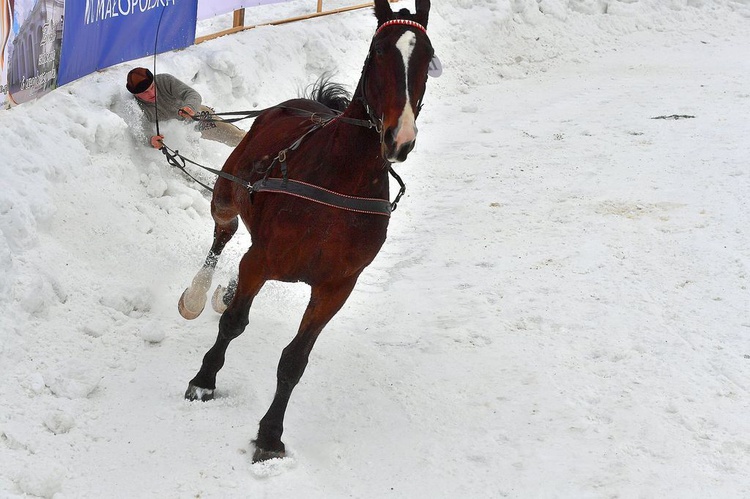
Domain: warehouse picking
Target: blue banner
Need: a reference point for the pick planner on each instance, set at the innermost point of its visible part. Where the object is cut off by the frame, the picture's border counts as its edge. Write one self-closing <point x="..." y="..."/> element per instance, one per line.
<point x="100" y="33"/>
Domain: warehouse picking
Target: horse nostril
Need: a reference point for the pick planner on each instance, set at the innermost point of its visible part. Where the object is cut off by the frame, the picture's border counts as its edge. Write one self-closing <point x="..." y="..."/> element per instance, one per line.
<point x="405" y="150"/>
<point x="398" y="144"/>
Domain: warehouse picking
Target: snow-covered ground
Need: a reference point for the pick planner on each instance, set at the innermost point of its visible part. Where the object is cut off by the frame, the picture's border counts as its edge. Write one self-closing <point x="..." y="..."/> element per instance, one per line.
<point x="561" y="308"/>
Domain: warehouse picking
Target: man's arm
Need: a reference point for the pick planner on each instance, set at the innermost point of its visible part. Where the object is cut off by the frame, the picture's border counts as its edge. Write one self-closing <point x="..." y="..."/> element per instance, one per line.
<point x="184" y="94"/>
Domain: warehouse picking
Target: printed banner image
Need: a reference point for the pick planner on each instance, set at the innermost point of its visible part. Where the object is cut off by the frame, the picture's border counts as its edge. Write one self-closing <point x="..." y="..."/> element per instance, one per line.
<point x="101" y="33"/>
<point x="6" y="20"/>
<point x="30" y="44"/>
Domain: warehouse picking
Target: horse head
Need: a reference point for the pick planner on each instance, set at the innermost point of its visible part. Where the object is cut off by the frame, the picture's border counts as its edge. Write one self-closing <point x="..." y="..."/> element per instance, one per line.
<point x="395" y="74"/>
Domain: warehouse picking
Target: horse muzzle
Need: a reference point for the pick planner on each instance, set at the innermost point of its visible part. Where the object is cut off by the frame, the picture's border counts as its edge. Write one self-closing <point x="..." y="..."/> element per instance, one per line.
<point x="398" y="143"/>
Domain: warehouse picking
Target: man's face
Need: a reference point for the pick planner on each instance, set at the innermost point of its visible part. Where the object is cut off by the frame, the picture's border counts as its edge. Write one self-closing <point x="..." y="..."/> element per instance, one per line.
<point x="148" y="95"/>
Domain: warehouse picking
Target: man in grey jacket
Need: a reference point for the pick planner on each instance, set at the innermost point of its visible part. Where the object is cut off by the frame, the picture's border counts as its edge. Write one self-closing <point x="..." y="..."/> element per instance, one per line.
<point x="176" y="100"/>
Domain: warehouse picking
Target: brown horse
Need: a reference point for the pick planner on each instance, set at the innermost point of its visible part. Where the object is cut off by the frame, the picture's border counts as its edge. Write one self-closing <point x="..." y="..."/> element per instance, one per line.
<point x="323" y="235"/>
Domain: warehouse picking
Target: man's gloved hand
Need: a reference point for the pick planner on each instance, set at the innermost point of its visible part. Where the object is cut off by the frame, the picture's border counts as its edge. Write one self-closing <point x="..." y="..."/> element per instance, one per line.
<point x="156" y="141"/>
<point x="186" y="112"/>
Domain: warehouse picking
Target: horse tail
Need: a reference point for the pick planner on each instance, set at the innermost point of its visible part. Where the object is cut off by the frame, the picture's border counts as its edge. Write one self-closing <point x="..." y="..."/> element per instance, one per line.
<point x="330" y="94"/>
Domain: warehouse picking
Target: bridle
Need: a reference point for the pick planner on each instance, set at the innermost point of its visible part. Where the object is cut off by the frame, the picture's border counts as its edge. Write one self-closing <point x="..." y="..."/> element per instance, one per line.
<point x="375" y="121"/>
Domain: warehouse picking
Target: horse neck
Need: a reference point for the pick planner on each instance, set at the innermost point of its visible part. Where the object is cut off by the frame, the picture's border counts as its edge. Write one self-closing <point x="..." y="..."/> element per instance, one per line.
<point x="356" y="108"/>
<point x="367" y="139"/>
<point x="364" y="144"/>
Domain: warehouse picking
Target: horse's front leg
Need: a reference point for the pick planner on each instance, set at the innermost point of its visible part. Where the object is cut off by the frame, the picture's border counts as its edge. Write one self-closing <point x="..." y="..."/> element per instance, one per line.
<point x="232" y="324"/>
<point x="193" y="299"/>
<point x="325" y="302"/>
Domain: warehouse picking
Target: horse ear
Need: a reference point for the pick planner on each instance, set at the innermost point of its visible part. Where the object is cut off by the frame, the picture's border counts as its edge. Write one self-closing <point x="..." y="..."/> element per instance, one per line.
<point x="383" y="11"/>
<point x="423" y="12"/>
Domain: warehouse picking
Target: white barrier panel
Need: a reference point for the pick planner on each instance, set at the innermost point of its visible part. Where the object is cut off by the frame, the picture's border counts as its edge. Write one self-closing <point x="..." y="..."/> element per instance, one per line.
<point x="212" y="8"/>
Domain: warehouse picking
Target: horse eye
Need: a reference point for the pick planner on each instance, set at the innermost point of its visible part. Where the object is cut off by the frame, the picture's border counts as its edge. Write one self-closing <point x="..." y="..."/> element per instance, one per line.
<point x="376" y="49"/>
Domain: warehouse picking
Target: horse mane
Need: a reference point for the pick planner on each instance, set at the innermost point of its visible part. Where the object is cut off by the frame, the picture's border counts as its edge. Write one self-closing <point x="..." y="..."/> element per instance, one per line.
<point x="330" y="94"/>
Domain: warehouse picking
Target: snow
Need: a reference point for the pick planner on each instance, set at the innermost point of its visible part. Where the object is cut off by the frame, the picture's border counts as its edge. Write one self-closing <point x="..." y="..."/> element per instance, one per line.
<point x="560" y="310"/>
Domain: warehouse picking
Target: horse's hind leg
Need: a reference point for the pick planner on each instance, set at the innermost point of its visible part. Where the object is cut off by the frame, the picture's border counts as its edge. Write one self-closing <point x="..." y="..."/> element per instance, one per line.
<point x="193" y="299"/>
<point x="325" y="302"/>
<point x="222" y="209"/>
<point x="232" y="323"/>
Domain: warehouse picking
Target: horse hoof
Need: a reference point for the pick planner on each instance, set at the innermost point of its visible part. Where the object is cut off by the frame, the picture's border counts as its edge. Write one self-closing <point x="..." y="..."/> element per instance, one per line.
<point x="191" y="307"/>
<point x="197" y="393"/>
<point x="217" y="300"/>
<point x="261" y="455"/>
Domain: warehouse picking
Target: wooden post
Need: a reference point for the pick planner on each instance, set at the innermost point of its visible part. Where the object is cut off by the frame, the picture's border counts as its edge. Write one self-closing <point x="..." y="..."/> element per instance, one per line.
<point x="239" y="18"/>
<point x="320" y="5"/>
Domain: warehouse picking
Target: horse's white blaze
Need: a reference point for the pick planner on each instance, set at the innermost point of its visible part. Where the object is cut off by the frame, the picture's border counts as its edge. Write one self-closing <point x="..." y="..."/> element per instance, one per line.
<point x="406" y="131"/>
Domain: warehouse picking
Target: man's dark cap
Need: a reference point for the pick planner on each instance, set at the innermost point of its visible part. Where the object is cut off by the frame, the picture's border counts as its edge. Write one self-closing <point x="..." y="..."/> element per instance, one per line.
<point x="139" y="79"/>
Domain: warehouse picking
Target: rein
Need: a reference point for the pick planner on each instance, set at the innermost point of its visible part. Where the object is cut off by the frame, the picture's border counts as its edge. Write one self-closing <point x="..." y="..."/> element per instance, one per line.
<point x="310" y="192"/>
<point x="297" y="188"/>
<point x="215" y="117"/>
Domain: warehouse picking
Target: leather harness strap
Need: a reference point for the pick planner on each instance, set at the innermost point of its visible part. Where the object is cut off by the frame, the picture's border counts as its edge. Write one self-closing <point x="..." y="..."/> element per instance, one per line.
<point x="323" y="196"/>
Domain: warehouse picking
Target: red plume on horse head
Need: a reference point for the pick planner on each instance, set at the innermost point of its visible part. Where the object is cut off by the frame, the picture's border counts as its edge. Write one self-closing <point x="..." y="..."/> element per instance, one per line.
<point x="310" y="183"/>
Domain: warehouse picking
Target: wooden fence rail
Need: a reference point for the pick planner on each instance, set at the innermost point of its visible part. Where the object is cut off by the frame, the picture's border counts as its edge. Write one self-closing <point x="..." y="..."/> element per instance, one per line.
<point x="238" y="23"/>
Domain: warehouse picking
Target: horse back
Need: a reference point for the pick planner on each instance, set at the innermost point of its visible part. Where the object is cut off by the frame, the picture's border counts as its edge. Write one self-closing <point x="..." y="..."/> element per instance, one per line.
<point x="286" y="225"/>
<point x="274" y="130"/>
